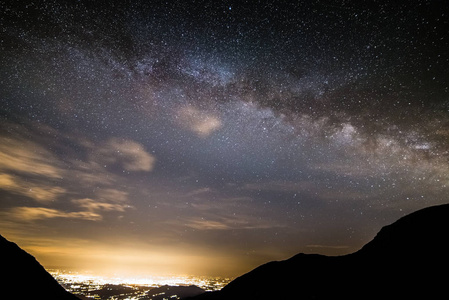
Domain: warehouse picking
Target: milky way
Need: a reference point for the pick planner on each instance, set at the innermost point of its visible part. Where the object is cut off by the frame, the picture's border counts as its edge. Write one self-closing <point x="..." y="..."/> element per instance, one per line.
<point x="212" y="136"/>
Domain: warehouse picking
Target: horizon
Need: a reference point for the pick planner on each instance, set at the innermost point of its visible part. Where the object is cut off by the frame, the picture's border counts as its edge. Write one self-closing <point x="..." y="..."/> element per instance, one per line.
<point x="207" y="138"/>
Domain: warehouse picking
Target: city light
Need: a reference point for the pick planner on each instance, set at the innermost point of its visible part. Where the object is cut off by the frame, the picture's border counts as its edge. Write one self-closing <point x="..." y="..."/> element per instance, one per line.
<point x="116" y="287"/>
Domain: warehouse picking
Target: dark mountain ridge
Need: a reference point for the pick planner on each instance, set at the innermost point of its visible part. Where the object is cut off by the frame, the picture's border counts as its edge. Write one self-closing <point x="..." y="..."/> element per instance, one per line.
<point x="406" y="260"/>
<point x="167" y="292"/>
<point x="24" y="278"/>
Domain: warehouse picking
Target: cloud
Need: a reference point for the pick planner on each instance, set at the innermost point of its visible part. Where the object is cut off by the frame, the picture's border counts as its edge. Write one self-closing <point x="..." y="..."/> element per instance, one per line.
<point x="45" y="193"/>
<point x="202" y="224"/>
<point x="105" y="200"/>
<point x="33" y="169"/>
<point x="198" y="121"/>
<point x="42" y="193"/>
<point x="91" y="173"/>
<point x="27" y="157"/>
<point x="92" y="170"/>
<point x="40" y="213"/>
<point x="230" y="222"/>
<point x="90" y="210"/>
<point x="129" y="154"/>
<point x="92" y="205"/>
<point x="112" y="195"/>
<point x="7" y="181"/>
<point x="199" y="191"/>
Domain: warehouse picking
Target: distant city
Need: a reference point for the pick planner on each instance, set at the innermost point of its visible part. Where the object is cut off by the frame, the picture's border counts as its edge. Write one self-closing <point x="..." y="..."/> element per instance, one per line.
<point x="88" y="286"/>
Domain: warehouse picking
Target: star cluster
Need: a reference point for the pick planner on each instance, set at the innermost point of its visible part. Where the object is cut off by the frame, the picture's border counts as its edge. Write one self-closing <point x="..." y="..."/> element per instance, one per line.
<point x="212" y="136"/>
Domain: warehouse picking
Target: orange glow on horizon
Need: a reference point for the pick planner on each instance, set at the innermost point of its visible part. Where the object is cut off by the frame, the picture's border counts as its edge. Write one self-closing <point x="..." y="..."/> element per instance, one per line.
<point x="132" y="260"/>
<point x="205" y="282"/>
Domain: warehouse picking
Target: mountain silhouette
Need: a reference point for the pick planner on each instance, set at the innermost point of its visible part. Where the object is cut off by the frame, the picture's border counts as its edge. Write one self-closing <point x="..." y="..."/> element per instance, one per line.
<point x="169" y="292"/>
<point x="406" y="260"/>
<point x="22" y="277"/>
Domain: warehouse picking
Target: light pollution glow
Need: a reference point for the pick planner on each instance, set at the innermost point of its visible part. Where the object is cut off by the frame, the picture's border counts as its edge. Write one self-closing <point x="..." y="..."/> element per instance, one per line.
<point x="206" y="283"/>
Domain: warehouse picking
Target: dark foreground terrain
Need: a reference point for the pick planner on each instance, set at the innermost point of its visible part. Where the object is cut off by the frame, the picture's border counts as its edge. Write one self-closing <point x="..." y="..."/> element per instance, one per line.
<point x="22" y="277"/>
<point x="406" y="260"/>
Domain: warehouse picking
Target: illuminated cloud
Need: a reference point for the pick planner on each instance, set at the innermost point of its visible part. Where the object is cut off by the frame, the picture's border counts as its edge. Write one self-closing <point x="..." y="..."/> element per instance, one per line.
<point x="93" y="170"/>
<point x="27" y="157"/>
<point x="217" y="221"/>
<point x="92" y="205"/>
<point x="7" y="181"/>
<point x="202" y="224"/>
<point x="45" y="194"/>
<point x="126" y="153"/>
<point x="29" y="169"/>
<point x="198" y="121"/>
<point x="90" y="210"/>
<point x="92" y="173"/>
<point x="41" y="213"/>
<point x="112" y="195"/>
<point x="42" y="193"/>
<point x="106" y="200"/>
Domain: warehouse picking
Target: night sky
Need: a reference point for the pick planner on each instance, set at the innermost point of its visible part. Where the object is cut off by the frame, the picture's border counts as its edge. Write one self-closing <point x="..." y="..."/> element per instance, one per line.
<point x="208" y="137"/>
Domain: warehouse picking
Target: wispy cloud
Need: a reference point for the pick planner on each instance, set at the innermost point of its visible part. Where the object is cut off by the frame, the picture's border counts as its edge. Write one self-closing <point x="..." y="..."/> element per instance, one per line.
<point x="127" y="153"/>
<point x="42" y="193"/>
<point x="217" y="221"/>
<point x="28" y="169"/>
<point x="40" y="213"/>
<point x="112" y="195"/>
<point x="105" y="200"/>
<point x="198" y="121"/>
<point x="81" y="183"/>
<point x="92" y="205"/>
<point x="199" y="191"/>
<point x="202" y="224"/>
<point x="27" y="157"/>
<point x="88" y="209"/>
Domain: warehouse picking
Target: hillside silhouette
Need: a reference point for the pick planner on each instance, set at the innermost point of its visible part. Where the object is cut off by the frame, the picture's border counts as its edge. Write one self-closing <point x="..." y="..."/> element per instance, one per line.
<point x="22" y="277"/>
<point x="406" y="260"/>
<point x="169" y="292"/>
